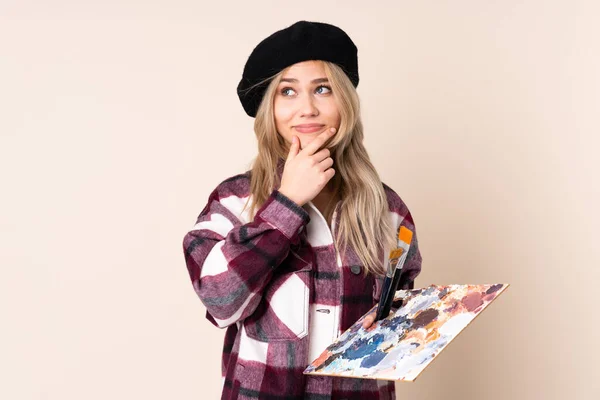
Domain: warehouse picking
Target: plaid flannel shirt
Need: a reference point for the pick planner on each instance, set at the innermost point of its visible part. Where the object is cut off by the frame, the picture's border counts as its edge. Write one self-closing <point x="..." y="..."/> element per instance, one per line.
<point x="282" y="291"/>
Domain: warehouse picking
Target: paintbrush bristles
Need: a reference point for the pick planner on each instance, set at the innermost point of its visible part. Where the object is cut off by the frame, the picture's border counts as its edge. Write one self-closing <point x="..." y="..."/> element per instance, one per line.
<point x="396" y="252"/>
<point x="404" y="239"/>
<point x="395" y="256"/>
<point x="405" y="235"/>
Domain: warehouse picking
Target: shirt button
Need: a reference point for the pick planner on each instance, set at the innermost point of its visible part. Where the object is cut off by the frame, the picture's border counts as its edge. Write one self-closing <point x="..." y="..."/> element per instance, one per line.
<point x="355" y="269"/>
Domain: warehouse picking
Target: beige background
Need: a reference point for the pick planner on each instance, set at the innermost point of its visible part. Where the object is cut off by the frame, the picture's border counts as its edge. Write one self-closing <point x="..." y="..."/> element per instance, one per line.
<point x="118" y="118"/>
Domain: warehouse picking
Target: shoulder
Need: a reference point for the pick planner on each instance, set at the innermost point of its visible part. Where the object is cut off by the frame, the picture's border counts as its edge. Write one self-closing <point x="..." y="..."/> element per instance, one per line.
<point x="236" y="185"/>
<point x="229" y="198"/>
<point x="396" y="204"/>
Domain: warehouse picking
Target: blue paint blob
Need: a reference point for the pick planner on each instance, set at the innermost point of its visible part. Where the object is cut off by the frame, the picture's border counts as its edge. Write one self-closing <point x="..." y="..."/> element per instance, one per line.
<point x="363" y="347"/>
<point x="373" y="359"/>
<point x="340" y="344"/>
<point x="429" y="290"/>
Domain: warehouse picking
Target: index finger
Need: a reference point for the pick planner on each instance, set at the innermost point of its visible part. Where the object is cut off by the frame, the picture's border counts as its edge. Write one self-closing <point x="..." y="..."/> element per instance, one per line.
<point x="368" y="321"/>
<point x="317" y="142"/>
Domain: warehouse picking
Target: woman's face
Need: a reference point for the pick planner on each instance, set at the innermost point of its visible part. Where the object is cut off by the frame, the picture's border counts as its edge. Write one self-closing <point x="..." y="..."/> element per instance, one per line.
<point x="304" y="104"/>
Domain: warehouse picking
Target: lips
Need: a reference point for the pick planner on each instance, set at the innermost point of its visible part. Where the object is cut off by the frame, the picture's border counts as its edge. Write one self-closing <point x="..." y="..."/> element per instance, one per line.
<point x="308" y="128"/>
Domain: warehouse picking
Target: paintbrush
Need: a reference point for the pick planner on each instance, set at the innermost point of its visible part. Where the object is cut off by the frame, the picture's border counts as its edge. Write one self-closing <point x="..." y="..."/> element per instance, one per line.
<point x="392" y="278"/>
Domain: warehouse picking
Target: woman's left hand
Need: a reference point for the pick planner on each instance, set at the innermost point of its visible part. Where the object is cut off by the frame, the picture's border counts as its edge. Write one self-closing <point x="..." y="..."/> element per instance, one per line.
<point x="369" y="319"/>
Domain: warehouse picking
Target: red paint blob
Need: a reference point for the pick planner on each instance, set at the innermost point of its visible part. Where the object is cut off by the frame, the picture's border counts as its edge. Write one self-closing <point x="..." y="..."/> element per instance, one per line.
<point x="472" y="301"/>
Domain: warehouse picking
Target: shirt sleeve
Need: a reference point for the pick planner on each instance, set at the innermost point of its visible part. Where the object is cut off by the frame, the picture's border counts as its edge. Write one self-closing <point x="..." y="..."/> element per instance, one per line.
<point x="230" y="263"/>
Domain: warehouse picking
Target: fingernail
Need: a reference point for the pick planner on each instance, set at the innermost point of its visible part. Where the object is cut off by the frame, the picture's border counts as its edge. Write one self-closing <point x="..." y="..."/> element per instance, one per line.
<point x="332" y="130"/>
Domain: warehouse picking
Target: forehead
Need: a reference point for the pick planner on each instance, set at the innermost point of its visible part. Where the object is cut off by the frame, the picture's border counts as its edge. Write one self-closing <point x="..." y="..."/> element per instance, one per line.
<point x="305" y="70"/>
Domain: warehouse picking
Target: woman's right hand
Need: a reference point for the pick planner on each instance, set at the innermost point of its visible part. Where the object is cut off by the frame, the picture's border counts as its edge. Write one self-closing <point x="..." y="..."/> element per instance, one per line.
<point x="305" y="172"/>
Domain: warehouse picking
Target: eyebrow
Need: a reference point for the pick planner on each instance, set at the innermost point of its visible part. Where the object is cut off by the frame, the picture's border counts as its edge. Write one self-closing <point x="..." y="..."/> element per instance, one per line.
<point x="294" y="80"/>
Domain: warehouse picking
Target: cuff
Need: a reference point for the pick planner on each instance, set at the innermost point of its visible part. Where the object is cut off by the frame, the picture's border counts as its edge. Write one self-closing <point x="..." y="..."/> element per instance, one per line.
<point x="284" y="214"/>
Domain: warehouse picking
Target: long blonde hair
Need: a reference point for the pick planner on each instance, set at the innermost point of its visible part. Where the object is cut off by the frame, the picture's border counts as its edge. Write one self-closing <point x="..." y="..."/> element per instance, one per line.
<point x="364" y="212"/>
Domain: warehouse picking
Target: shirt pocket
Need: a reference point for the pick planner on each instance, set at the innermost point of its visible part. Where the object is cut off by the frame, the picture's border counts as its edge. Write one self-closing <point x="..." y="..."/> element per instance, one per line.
<point x="283" y="310"/>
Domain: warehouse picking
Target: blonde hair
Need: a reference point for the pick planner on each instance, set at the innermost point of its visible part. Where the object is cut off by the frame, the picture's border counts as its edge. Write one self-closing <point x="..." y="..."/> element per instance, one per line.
<point x="364" y="212"/>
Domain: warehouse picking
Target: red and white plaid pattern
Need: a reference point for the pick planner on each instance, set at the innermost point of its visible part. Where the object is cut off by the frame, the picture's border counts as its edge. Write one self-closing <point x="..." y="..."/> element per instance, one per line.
<point x="283" y="292"/>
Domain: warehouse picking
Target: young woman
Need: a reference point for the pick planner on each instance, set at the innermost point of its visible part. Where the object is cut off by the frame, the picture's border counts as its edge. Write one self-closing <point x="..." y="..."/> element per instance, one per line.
<point x="289" y="254"/>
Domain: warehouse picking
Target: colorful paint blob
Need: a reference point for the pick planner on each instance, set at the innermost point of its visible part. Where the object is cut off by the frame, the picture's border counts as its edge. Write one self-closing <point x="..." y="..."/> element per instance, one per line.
<point x="401" y="346"/>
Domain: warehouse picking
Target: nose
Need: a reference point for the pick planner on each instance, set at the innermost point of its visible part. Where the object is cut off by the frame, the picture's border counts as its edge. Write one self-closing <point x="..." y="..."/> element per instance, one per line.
<point x="308" y="106"/>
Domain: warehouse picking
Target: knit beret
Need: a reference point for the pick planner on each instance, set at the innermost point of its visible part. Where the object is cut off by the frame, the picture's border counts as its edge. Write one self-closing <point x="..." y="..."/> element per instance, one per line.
<point x="301" y="41"/>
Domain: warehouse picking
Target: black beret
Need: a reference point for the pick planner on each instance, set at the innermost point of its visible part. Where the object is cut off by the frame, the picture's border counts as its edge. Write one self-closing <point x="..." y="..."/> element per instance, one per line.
<point x="301" y="41"/>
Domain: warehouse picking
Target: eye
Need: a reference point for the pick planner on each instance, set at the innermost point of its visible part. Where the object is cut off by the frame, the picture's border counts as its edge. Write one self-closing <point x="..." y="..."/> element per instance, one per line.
<point x="325" y="87"/>
<point x="284" y="90"/>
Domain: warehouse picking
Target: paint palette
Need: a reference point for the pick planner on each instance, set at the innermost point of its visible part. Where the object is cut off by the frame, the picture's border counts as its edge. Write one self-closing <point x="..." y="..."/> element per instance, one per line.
<point x="401" y="346"/>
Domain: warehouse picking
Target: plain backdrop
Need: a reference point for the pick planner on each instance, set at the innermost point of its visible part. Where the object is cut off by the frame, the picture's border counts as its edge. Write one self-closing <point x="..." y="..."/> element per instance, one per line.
<point x="118" y="118"/>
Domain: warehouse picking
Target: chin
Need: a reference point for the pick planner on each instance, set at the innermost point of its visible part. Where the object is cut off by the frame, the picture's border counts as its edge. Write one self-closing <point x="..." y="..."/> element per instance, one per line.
<point x="305" y="141"/>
